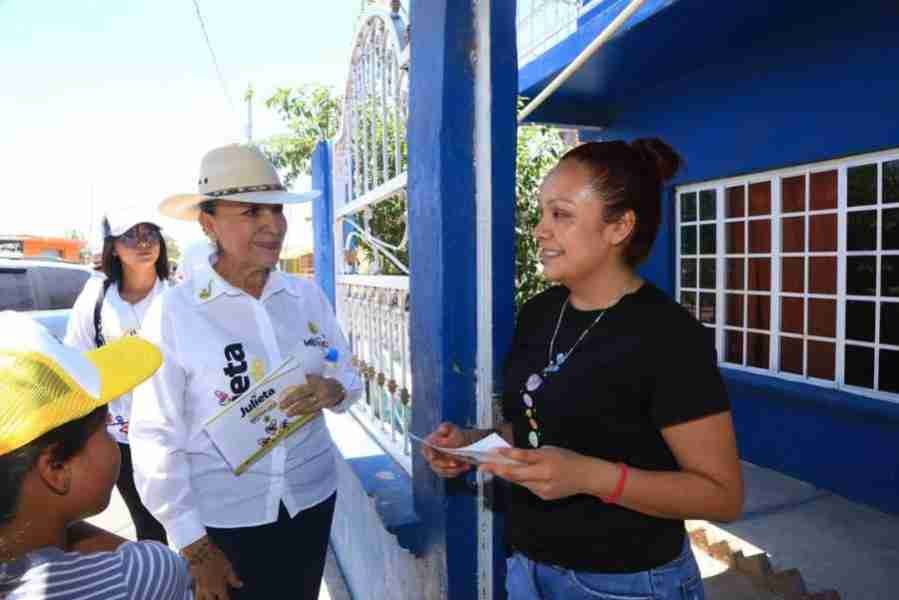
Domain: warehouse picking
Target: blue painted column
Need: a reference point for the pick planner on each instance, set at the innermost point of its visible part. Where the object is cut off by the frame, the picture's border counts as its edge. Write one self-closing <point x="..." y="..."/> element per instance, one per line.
<point x="503" y="142"/>
<point x="442" y="248"/>
<point x="322" y="219"/>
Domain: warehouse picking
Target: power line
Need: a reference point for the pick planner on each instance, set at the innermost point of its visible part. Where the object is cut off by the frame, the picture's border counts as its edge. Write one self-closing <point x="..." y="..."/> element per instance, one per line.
<point x="215" y="61"/>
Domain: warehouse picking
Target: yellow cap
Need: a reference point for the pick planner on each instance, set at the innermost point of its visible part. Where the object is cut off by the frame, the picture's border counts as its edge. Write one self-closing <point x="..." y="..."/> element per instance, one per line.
<point x="44" y="384"/>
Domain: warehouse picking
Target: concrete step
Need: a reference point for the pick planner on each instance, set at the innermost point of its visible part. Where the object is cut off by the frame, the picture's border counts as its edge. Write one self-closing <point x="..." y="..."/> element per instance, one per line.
<point x="746" y="577"/>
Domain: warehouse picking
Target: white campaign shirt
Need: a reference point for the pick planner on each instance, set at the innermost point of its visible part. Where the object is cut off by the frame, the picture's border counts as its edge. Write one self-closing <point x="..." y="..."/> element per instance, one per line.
<point x="118" y="318"/>
<point x="212" y="336"/>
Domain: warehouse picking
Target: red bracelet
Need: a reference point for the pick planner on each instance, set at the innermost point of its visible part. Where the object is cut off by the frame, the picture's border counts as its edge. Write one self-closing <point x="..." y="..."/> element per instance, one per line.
<point x="619" y="487"/>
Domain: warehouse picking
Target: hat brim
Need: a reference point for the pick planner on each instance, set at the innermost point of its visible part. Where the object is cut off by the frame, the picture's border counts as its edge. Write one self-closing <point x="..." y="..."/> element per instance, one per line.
<point x="123" y="365"/>
<point x="186" y="207"/>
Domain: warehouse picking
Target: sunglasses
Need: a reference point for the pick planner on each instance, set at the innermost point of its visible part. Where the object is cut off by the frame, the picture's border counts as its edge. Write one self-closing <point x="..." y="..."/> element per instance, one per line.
<point x="134" y="236"/>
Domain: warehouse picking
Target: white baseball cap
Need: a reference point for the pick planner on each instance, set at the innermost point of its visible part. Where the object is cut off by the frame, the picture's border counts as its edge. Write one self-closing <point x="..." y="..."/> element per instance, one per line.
<point x="123" y="218"/>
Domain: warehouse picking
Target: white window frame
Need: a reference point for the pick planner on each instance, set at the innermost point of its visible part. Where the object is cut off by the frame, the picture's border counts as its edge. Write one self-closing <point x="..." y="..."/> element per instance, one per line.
<point x="776" y="176"/>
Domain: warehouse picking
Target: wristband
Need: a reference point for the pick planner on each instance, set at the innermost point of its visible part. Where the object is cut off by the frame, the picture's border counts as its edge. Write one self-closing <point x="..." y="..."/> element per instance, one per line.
<point x="619" y="487"/>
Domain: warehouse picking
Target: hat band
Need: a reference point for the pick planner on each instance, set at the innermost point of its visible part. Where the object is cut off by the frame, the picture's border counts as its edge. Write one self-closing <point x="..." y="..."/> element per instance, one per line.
<point x="248" y="188"/>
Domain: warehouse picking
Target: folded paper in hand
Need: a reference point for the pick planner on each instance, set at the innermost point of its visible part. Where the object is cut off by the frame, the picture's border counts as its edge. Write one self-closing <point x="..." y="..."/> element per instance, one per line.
<point x="482" y="451"/>
<point x="253" y="424"/>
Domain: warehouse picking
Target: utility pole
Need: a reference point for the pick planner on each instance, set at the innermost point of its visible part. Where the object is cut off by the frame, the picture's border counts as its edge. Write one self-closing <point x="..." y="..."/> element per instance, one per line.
<point x="248" y="97"/>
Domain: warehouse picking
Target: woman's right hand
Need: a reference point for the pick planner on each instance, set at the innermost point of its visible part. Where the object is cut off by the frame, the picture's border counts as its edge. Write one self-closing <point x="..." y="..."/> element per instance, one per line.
<point x="211" y="570"/>
<point x="446" y="435"/>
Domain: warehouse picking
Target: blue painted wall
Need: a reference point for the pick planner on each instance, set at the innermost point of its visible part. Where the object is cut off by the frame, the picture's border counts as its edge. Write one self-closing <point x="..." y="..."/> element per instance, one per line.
<point x="504" y="77"/>
<point x="322" y="217"/>
<point x="442" y="233"/>
<point x="812" y="89"/>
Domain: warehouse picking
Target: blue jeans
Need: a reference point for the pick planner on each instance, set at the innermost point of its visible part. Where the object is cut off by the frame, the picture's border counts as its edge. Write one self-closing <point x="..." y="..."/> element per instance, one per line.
<point x="677" y="580"/>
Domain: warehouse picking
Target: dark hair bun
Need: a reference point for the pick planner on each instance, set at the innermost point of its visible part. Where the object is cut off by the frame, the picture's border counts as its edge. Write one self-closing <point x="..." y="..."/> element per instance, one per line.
<point x="666" y="161"/>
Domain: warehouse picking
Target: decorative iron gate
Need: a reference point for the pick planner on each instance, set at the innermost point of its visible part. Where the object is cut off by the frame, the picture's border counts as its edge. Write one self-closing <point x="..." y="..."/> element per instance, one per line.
<point x="370" y="220"/>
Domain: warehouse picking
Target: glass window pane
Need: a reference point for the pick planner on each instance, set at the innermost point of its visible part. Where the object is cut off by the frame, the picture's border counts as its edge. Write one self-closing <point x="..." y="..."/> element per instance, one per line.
<point x="860" y="321"/>
<point x="792" y="194"/>
<point x="822" y="360"/>
<point x="822" y="274"/>
<point x="734" y="309"/>
<point x="688" y="301"/>
<point x="736" y="237"/>
<point x="707" y="205"/>
<point x="861" y="230"/>
<point x="889" y="371"/>
<point x="860" y="275"/>
<point x="889" y="275"/>
<point x="792" y="274"/>
<point x="688" y="272"/>
<point x="707" y="274"/>
<point x="735" y="274"/>
<point x="823" y="190"/>
<point x="707" y="239"/>
<point x="758" y="312"/>
<point x="757" y="354"/>
<point x="688" y="207"/>
<point x="822" y="317"/>
<point x="760" y="198"/>
<point x="792" y="315"/>
<point x="822" y="233"/>
<point x="791" y="355"/>
<point x="760" y="274"/>
<point x="862" y="185"/>
<point x="889" y="323"/>
<point x="792" y="237"/>
<point x="890" y="226"/>
<point x="688" y="239"/>
<point x="890" y="181"/>
<point x="859" y="366"/>
<point x="733" y="347"/>
<point x="760" y="236"/>
<point x="736" y="201"/>
<point x="707" y="308"/>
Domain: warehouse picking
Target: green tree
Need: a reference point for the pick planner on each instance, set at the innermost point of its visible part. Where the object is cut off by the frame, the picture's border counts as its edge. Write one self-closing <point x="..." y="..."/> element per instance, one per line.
<point x="311" y="114"/>
<point x="539" y="149"/>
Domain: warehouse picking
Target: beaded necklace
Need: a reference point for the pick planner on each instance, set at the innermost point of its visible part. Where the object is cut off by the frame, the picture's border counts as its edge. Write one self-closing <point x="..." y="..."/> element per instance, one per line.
<point x="554" y="363"/>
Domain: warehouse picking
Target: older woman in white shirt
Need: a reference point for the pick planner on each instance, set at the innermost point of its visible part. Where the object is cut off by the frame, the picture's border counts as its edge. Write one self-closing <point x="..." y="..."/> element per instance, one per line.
<point x="263" y="534"/>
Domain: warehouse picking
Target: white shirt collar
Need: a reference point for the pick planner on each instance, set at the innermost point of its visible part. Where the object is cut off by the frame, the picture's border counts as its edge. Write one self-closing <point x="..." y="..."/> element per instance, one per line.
<point x="208" y="284"/>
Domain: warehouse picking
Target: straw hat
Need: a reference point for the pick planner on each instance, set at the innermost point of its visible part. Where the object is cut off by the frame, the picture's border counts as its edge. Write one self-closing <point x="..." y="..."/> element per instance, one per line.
<point x="237" y="173"/>
<point x="45" y="384"/>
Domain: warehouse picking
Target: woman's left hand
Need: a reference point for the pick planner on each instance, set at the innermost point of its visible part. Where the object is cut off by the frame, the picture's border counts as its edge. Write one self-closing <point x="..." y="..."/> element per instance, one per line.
<point x="549" y="472"/>
<point x="317" y="393"/>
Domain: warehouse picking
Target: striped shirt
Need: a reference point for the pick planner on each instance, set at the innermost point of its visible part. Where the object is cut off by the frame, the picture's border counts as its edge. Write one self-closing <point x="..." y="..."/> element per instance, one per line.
<point x="135" y="571"/>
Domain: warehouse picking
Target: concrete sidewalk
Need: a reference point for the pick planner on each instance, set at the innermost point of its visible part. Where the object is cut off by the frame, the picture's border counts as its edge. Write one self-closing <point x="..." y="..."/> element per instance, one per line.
<point x="834" y="543"/>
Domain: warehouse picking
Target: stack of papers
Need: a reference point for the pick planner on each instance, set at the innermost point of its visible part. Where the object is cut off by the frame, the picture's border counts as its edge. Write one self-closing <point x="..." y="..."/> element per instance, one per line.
<point x="249" y="427"/>
<point x="482" y="451"/>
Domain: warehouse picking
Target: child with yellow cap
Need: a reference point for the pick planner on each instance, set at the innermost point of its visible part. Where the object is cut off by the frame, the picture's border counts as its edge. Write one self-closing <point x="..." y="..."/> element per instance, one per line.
<point x="58" y="465"/>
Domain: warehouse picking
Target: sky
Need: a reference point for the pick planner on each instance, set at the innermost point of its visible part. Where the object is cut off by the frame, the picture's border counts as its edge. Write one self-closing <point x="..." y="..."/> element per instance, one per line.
<point x="107" y="103"/>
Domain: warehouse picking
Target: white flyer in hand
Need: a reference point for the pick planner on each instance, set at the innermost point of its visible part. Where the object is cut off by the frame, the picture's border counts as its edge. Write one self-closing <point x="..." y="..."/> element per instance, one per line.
<point x="482" y="451"/>
<point x="253" y="424"/>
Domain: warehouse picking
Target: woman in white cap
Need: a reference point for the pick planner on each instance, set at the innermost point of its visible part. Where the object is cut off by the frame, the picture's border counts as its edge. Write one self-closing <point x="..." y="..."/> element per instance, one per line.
<point x="135" y="261"/>
<point x="263" y="534"/>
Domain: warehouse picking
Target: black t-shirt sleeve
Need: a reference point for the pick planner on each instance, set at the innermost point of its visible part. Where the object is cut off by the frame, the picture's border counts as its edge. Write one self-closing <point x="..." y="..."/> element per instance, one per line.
<point x="688" y="384"/>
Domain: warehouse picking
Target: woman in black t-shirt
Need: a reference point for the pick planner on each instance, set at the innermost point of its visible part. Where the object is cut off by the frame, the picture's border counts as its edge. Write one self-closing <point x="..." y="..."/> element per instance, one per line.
<point x="613" y="400"/>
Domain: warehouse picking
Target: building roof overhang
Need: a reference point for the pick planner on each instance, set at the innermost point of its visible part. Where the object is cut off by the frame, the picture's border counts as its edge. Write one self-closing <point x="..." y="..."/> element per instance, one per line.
<point x="663" y="41"/>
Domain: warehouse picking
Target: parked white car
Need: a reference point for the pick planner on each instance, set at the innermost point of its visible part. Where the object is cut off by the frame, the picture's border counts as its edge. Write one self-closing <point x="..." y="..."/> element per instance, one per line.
<point x="46" y="289"/>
